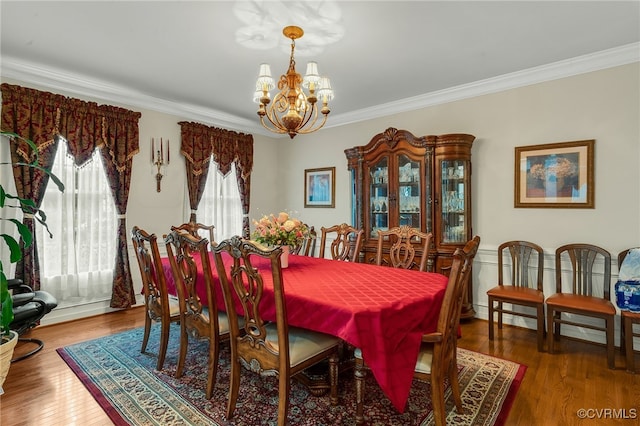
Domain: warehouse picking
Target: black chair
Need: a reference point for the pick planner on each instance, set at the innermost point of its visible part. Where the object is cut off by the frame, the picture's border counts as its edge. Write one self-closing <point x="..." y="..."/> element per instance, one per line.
<point x="29" y="307"/>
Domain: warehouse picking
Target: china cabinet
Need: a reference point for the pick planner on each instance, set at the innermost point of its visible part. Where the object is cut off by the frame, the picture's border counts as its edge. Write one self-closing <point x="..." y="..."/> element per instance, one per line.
<point x="423" y="182"/>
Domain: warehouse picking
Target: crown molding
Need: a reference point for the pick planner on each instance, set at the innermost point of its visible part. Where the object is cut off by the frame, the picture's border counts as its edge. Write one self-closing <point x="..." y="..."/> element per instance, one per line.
<point x="92" y="88"/>
<point x="610" y="58"/>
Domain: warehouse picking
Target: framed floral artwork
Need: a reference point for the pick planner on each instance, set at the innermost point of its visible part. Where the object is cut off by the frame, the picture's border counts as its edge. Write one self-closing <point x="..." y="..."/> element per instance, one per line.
<point x="320" y="187"/>
<point x="559" y="175"/>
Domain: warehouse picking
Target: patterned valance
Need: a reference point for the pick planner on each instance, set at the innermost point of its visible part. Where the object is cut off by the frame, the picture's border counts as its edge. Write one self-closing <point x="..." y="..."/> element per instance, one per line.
<point x="199" y="142"/>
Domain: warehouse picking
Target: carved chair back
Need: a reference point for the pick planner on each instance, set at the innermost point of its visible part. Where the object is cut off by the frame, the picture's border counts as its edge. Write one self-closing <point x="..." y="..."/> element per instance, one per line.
<point x="526" y="264"/>
<point x="590" y="265"/>
<point x="194" y="229"/>
<point x="402" y="251"/>
<point x="346" y="245"/>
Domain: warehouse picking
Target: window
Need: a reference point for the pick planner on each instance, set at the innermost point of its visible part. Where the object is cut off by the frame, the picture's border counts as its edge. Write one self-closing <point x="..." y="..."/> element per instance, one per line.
<point x="76" y="265"/>
<point x="220" y="204"/>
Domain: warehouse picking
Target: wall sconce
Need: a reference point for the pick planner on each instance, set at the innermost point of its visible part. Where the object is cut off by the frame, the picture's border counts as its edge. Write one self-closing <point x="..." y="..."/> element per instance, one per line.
<point x="158" y="160"/>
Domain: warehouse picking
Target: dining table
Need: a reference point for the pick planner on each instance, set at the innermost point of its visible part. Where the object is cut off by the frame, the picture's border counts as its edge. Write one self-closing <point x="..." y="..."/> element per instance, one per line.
<point x="381" y="310"/>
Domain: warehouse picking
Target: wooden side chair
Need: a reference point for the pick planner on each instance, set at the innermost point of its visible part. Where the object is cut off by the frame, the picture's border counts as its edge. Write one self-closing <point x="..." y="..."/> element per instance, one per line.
<point x="346" y="245"/>
<point x="159" y="305"/>
<point x="627" y="319"/>
<point x="262" y="345"/>
<point x="402" y="250"/>
<point x="522" y="285"/>
<point x="581" y="297"/>
<point x="198" y="319"/>
<point x="308" y="245"/>
<point x="194" y="229"/>
<point x="437" y="359"/>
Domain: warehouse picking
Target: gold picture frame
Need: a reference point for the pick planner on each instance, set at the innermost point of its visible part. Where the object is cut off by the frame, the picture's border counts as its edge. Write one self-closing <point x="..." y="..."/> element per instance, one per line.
<point x="556" y="175"/>
<point x="320" y="187"/>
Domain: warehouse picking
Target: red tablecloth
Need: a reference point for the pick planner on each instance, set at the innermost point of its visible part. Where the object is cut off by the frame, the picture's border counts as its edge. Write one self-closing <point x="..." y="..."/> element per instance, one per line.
<point x="381" y="310"/>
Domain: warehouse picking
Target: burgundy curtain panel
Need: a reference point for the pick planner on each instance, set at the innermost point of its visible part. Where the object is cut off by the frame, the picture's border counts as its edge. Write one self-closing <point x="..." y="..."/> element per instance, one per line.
<point x="33" y="115"/>
<point x="42" y="117"/>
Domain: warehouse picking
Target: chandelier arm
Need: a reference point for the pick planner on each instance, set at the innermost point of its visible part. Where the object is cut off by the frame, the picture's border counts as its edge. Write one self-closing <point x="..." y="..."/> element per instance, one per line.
<point x="278" y="126"/>
<point x="310" y="130"/>
<point x="313" y="113"/>
<point x="273" y="129"/>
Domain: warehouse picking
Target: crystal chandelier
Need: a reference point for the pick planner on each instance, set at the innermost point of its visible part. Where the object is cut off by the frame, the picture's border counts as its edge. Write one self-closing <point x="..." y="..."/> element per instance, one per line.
<point x="293" y="110"/>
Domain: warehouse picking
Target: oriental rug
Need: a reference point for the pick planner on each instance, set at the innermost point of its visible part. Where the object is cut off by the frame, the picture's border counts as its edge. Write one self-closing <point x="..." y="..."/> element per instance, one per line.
<point x="132" y="392"/>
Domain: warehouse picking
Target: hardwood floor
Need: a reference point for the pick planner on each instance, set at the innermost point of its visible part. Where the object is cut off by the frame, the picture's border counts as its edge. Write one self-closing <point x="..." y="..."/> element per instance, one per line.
<point x="43" y="390"/>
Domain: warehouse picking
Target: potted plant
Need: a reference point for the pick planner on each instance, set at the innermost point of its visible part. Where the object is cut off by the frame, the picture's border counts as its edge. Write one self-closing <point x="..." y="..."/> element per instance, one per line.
<point x="9" y="338"/>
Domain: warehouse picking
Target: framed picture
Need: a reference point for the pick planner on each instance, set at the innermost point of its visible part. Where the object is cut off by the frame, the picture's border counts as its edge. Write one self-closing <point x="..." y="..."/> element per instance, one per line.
<point x="555" y="175"/>
<point x="320" y="187"/>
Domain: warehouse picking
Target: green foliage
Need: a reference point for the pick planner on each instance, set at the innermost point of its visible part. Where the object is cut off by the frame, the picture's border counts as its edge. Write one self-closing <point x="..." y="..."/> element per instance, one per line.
<point x="28" y="206"/>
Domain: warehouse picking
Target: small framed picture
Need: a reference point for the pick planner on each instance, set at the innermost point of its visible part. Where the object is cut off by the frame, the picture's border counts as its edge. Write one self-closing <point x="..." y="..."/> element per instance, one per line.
<point x="555" y="175"/>
<point x="320" y="187"/>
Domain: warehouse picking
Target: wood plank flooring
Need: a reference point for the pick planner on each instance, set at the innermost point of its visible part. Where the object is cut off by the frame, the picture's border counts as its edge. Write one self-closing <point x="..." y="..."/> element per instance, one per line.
<point x="42" y="390"/>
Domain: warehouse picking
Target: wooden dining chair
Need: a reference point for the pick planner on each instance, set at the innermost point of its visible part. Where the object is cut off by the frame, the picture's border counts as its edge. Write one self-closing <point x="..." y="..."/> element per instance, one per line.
<point x="194" y="229"/>
<point x="627" y="320"/>
<point x="159" y="305"/>
<point x="346" y="245"/>
<point x="267" y="346"/>
<point x="198" y="319"/>
<point x="582" y="296"/>
<point x="307" y="246"/>
<point x="402" y="241"/>
<point x="521" y="286"/>
<point x="437" y="360"/>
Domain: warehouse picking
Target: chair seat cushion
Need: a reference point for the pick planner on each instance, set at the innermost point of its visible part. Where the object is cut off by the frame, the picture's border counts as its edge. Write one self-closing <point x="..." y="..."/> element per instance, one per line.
<point x="174" y="306"/>
<point x="577" y="302"/>
<point x="635" y="316"/>
<point x="223" y="321"/>
<point x="423" y="364"/>
<point x="303" y="343"/>
<point x="522" y="294"/>
<point x="425" y="358"/>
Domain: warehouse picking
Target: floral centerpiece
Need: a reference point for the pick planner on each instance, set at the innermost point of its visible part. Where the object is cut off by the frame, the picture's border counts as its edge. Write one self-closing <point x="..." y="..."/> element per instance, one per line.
<point x="282" y="230"/>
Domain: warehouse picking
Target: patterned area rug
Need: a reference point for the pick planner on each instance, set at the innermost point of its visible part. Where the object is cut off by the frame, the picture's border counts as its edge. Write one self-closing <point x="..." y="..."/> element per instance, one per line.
<point x="130" y="390"/>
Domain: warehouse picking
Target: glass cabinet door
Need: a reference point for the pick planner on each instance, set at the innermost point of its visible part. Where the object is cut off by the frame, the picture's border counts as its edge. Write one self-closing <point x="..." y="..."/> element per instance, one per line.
<point x="454" y="201"/>
<point x="409" y="192"/>
<point x="379" y="197"/>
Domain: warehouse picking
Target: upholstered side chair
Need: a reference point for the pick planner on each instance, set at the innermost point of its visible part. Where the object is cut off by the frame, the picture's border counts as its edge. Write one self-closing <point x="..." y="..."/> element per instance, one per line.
<point x="200" y="319"/>
<point x="521" y="286"/>
<point x="437" y="360"/>
<point x="266" y="346"/>
<point x="159" y="305"/>
<point x="586" y="294"/>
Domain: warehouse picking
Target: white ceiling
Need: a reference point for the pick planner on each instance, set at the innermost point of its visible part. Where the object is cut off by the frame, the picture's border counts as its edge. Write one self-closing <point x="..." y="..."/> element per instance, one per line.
<point x="183" y="57"/>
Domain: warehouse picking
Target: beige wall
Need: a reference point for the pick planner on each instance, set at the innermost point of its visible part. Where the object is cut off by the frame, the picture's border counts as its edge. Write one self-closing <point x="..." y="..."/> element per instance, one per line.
<point x="602" y="105"/>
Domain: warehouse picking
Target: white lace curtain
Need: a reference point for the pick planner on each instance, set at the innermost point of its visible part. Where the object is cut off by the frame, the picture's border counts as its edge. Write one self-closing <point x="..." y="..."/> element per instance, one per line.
<point x="220" y="204"/>
<point x="7" y="227"/>
<point x="77" y="263"/>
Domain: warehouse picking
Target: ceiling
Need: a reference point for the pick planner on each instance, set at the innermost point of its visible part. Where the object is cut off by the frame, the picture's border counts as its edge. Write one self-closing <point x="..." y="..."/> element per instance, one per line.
<point x="200" y="59"/>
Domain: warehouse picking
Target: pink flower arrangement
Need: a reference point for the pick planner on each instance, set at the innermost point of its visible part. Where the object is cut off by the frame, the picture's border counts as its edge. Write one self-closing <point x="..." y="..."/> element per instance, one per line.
<point x="282" y="230"/>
